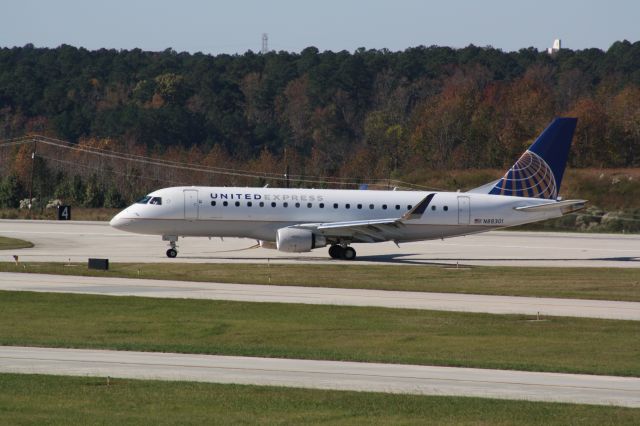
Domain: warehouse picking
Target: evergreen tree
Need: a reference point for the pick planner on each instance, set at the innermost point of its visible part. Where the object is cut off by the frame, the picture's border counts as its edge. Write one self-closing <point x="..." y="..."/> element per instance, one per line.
<point x="11" y="192"/>
<point x="94" y="193"/>
<point x="113" y="199"/>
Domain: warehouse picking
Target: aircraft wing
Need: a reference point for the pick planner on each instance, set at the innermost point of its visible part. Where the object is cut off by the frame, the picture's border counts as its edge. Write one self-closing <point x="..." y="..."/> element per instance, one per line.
<point x="365" y="231"/>
<point x="369" y="231"/>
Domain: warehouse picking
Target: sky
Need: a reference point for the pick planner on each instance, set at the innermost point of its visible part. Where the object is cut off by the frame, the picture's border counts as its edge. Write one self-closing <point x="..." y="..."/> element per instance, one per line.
<point x="235" y="26"/>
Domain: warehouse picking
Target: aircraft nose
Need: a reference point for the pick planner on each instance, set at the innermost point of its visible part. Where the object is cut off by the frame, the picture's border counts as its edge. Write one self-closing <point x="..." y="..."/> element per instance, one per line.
<point x="118" y="221"/>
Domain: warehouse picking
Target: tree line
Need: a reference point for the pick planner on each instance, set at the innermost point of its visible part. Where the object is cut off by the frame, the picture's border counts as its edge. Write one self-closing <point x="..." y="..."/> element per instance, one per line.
<point x="369" y="114"/>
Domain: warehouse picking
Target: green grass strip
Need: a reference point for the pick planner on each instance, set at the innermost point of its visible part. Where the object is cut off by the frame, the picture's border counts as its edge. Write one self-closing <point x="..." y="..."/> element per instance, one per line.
<point x="61" y="400"/>
<point x="559" y="344"/>
<point x="13" y="243"/>
<point x="579" y="283"/>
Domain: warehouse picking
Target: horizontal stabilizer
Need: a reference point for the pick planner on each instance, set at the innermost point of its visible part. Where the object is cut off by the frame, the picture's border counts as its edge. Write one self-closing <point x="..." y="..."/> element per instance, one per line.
<point x="567" y="206"/>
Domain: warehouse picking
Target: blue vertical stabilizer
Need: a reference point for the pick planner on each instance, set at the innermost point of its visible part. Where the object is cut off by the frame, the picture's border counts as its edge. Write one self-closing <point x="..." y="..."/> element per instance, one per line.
<point x="538" y="172"/>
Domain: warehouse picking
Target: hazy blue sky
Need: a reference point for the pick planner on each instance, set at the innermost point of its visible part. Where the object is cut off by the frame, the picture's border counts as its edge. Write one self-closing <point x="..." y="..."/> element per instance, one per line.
<point x="234" y="26"/>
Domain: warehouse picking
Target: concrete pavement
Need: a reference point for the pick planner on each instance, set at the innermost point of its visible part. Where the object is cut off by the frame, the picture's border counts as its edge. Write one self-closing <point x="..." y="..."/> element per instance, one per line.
<point x="76" y="241"/>
<point x="370" y="377"/>
<point x="321" y="296"/>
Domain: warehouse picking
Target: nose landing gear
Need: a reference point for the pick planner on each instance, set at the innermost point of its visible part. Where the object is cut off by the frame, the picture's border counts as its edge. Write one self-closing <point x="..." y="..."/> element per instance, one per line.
<point x="172" y="252"/>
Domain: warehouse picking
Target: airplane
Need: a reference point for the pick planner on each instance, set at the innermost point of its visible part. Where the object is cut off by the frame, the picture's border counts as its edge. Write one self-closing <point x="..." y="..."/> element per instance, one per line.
<point x="300" y="220"/>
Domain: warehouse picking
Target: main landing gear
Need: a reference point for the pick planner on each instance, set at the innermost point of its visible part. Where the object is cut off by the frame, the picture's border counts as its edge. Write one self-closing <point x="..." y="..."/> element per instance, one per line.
<point x="340" y="252"/>
<point x="172" y="252"/>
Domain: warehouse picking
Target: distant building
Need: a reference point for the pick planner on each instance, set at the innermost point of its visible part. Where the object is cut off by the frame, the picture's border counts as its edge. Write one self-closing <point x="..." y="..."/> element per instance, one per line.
<point x="557" y="45"/>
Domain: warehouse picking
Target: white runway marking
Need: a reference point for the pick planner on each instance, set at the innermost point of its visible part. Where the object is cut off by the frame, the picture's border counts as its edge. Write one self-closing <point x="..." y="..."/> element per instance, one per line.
<point x="77" y="241"/>
<point x="371" y="377"/>
<point x="321" y="296"/>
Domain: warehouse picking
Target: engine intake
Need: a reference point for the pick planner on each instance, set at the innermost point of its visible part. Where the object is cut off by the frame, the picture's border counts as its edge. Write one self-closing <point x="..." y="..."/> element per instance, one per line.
<point x="296" y="240"/>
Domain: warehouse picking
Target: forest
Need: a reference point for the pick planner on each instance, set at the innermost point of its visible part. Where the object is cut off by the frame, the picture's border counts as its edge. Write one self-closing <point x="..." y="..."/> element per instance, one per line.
<point x="360" y="116"/>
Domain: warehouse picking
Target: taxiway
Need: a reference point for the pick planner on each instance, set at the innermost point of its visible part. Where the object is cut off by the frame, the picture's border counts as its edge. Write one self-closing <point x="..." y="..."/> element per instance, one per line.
<point x="76" y="241"/>
<point x="110" y="286"/>
<point x="371" y="377"/>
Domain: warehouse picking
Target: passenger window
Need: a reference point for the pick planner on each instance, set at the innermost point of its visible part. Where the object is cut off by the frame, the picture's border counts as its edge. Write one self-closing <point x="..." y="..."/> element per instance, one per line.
<point x="335" y="205"/>
<point x="213" y="203"/>
<point x="446" y="208"/>
<point x="309" y="205"/>
<point x="359" y="206"/>
<point x="409" y="207"/>
<point x="225" y="203"/>
<point x="285" y="204"/>
<point x="261" y="203"/>
<point x="384" y="207"/>
<point x="143" y="200"/>
<point x="371" y="206"/>
<point x="322" y="205"/>
<point x="297" y="205"/>
<point x="249" y="204"/>
<point x="347" y="206"/>
<point x="433" y="208"/>
<point x="273" y="204"/>
<point x="237" y="203"/>
<point x="397" y="206"/>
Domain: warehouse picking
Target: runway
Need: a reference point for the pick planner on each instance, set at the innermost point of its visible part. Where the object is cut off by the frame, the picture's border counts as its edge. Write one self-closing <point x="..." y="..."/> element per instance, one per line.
<point x="77" y="241"/>
<point x="321" y="296"/>
<point x="370" y="377"/>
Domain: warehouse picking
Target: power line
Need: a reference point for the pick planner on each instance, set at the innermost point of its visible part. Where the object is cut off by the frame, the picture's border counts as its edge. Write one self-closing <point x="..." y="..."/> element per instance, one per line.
<point x="116" y="155"/>
<point x="144" y="177"/>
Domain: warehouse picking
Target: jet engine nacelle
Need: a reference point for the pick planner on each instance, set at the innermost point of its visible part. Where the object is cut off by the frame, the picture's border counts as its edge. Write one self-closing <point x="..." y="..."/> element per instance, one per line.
<point x="296" y="240"/>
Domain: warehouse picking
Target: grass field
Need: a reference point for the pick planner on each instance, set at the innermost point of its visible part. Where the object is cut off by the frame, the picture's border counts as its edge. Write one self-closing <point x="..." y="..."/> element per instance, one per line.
<point x="53" y="400"/>
<point x="321" y="332"/>
<point x="13" y="243"/>
<point x="580" y="283"/>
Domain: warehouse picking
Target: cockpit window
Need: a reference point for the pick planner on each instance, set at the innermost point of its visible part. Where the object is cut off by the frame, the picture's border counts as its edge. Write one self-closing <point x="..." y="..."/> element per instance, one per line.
<point x="156" y="200"/>
<point x="143" y="200"/>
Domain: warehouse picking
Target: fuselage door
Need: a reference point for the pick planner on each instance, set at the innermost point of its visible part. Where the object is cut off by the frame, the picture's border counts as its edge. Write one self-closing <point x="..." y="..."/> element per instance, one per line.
<point x="191" y="204"/>
<point x="464" y="211"/>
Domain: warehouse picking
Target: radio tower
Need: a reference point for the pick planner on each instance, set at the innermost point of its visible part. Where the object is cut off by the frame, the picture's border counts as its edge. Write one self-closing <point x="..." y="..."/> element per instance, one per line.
<point x="265" y="44"/>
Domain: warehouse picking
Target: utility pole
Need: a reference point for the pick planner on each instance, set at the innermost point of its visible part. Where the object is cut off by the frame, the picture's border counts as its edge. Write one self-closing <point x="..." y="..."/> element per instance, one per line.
<point x="33" y="166"/>
<point x="286" y="174"/>
<point x="286" y="169"/>
<point x="265" y="44"/>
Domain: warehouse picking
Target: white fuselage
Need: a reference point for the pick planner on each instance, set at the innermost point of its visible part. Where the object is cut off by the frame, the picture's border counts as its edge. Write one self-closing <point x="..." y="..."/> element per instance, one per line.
<point x="258" y="213"/>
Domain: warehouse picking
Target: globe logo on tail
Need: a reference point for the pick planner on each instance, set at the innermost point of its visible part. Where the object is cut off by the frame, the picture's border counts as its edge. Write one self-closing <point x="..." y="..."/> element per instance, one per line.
<point x="530" y="176"/>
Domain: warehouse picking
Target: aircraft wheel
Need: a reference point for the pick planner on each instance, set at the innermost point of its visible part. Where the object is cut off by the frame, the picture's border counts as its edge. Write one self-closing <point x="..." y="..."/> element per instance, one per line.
<point x="172" y="253"/>
<point x="336" y="252"/>
<point x="349" y="253"/>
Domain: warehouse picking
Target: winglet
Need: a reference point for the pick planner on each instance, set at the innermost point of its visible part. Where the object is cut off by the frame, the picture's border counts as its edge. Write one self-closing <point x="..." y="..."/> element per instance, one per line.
<point x="419" y="209"/>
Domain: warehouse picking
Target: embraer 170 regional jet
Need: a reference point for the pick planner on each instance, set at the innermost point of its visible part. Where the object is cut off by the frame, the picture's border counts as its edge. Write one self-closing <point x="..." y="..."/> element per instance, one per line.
<point x="299" y="220"/>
